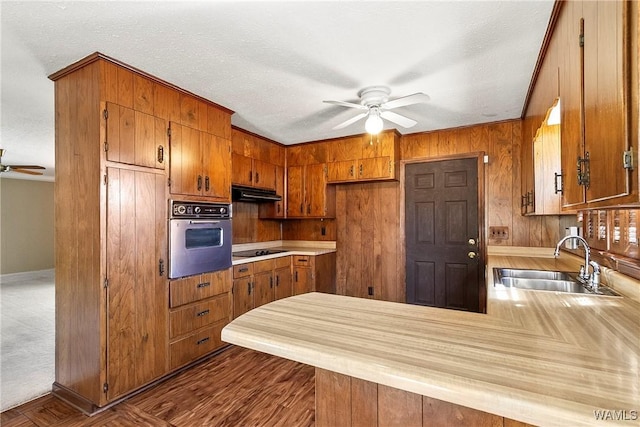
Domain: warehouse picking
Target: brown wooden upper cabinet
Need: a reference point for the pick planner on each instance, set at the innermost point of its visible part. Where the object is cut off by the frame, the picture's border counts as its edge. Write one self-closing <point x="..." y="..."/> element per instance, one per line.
<point x="255" y="161"/>
<point x="596" y="85"/>
<point x="200" y="163"/>
<point x="134" y="137"/>
<point x="308" y="195"/>
<point x="543" y="189"/>
<point x="253" y="172"/>
<point x="363" y="158"/>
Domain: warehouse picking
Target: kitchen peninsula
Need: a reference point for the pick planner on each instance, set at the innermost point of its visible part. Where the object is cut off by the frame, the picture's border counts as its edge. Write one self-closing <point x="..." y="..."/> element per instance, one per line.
<point x="543" y="358"/>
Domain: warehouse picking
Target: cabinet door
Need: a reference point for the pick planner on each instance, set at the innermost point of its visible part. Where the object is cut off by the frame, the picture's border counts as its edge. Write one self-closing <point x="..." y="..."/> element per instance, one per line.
<point x="283" y="283"/>
<point x="374" y="168"/>
<point x="315" y="190"/>
<point x="185" y="168"/>
<point x="216" y="158"/>
<point x="341" y="171"/>
<point x="295" y="192"/>
<point x="263" y="287"/>
<point x="571" y="103"/>
<point x="605" y="106"/>
<point x="546" y="168"/>
<point x="302" y="280"/>
<point x="241" y="170"/>
<point x="137" y="297"/>
<point x="242" y="296"/>
<point x="134" y="137"/>
<point x="264" y="175"/>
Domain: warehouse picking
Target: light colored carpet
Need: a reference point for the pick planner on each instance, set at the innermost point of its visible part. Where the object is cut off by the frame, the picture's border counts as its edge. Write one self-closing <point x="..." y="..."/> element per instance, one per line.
<point x="27" y="332"/>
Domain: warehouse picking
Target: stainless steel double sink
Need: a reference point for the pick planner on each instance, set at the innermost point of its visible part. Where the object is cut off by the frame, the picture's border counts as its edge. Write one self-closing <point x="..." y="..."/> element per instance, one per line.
<point x="542" y="280"/>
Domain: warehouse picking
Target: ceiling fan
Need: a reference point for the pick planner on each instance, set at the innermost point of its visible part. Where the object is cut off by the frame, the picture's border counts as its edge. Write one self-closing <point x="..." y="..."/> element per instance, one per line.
<point x="374" y="100"/>
<point x="18" y="168"/>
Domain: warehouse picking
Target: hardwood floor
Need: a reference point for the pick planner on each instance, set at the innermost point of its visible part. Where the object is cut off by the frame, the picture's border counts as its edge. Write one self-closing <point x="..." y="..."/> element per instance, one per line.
<point x="238" y="387"/>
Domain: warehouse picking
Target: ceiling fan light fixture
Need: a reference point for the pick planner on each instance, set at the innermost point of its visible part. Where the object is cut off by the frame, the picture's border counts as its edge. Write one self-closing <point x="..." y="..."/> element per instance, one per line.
<point x="374" y="123"/>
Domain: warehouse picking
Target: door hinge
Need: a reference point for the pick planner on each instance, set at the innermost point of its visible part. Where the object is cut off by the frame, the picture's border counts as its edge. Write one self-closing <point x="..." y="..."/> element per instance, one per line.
<point x="628" y="159"/>
<point x="169" y="132"/>
<point x="581" y="40"/>
<point x="105" y="179"/>
<point x="106" y="283"/>
<point x="105" y="114"/>
<point x="106" y="146"/>
<point x="168" y="182"/>
<point x="105" y="387"/>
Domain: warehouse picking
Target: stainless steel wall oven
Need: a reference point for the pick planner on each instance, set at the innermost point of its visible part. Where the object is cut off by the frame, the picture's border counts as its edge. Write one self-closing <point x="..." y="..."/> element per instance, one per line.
<point x="199" y="238"/>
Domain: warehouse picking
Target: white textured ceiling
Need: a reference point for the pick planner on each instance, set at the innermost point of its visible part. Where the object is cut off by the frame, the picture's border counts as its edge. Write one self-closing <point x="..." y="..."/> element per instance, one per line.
<point x="273" y="63"/>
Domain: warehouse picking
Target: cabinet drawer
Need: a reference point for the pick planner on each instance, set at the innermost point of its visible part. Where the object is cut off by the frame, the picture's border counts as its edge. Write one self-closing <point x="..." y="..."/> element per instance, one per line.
<point x="194" y="288"/>
<point x="243" y="270"/>
<point x="261" y="266"/>
<point x="195" y="345"/>
<point x="284" y="261"/>
<point x="303" y="261"/>
<point x="197" y="315"/>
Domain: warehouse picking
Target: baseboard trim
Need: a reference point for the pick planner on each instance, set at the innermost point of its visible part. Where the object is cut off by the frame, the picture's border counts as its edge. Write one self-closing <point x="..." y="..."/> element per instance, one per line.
<point x="90" y="409"/>
<point x="26" y="275"/>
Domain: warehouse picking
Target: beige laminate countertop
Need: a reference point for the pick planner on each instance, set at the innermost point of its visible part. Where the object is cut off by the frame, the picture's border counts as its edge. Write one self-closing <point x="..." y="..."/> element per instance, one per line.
<point x="544" y="358"/>
<point x="290" y="248"/>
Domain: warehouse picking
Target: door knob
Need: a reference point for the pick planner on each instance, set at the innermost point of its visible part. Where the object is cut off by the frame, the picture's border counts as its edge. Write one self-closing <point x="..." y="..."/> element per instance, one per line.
<point x="472" y="254"/>
<point x="472" y="241"/>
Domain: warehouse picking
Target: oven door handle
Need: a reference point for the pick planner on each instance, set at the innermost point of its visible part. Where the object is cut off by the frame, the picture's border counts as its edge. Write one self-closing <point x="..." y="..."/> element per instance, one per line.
<point x="203" y="221"/>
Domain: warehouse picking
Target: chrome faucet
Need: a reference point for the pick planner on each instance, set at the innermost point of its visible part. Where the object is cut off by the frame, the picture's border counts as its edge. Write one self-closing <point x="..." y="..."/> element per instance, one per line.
<point x="588" y="279"/>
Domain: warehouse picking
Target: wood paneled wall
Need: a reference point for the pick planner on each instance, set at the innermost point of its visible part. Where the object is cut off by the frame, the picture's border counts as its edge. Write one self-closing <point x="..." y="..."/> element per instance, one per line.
<point x="367" y="215"/>
<point x="309" y="229"/>
<point x="248" y="228"/>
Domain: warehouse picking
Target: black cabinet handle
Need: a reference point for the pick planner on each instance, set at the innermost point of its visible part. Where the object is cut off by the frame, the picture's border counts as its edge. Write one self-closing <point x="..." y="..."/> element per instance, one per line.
<point x="250" y="176"/>
<point x="296" y="276"/>
<point x="161" y="267"/>
<point x="206" y="183"/>
<point x="204" y="285"/>
<point x="203" y="340"/>
<point x="278" y="280"/>
<point x="249" y="288"/>
<point x="302" y="260"/>
<point x="203" y="313"/>
<point x="199" y="182"/>
<point x="271" y="282"/>
<point x="243" y="269"/>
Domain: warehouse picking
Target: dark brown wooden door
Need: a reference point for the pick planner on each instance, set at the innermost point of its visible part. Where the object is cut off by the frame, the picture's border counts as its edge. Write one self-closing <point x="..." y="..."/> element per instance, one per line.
<point x="442" y="265"/>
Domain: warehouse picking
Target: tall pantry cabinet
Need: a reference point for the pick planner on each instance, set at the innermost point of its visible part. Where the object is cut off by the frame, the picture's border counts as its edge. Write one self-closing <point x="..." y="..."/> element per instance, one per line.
<point x="111" y="200"/>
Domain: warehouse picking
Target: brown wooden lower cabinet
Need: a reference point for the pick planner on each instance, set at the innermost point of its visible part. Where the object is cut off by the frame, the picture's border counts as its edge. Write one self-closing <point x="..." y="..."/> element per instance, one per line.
<point x="345" y="401"/>
<point x="200" y="306"/>
<point x="314" y="273"/>
<point x="261" y="282"/>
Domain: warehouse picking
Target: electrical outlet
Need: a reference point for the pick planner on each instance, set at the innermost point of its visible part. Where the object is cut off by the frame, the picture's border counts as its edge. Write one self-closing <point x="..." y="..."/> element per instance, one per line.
<point x="499" y="233"/>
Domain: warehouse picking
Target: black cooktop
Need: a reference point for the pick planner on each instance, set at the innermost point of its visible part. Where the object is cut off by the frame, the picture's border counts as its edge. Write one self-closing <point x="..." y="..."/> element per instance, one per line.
<point x="257" y="252"/>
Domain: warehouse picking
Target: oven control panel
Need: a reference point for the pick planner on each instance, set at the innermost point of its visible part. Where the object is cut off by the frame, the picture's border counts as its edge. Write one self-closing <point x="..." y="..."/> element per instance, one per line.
<point x="179" y="209"/>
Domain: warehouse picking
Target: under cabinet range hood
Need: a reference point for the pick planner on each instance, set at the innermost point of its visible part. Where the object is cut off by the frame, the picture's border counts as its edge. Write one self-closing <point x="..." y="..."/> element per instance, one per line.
<point x="253" y="195"/>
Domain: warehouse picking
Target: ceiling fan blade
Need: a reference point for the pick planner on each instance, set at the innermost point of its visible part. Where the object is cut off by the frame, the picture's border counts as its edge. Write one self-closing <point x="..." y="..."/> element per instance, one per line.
<point x="416" y="98"/>
<point x="347" y="104"/>
<point x="351" y="121"/>
<point x="403" y="121"/>
<point x="27" y="171"/>
<point x="14" y="167"/>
